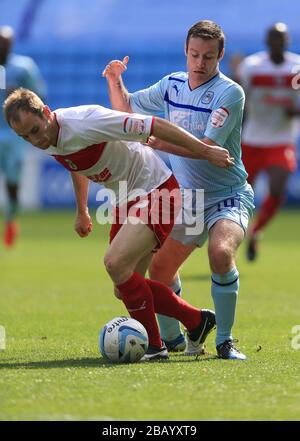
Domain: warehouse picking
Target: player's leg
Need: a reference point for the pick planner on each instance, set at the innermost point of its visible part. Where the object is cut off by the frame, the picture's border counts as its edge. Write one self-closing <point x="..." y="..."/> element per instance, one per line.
<point x="141" y="268"/>
<point x="164" y="268"/>
<point x="144" y="297"/>
<point x="12" y="168"/>
<point x="131" y="244"/>
<point x="12" y="207"/>
<point x="253" y="159"/>
<point x="224" y="239"/>
<point x="143" y="265"/>
<point x="227" y="222"/>
<point x="278" y="178"/>
<point x="279" y="163"/>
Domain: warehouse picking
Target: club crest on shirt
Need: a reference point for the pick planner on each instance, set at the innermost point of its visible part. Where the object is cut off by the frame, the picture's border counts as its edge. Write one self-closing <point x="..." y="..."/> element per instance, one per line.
<point x="207" y="97"/>
<point x="219" y="116"/>
<point x="134" y="125"/>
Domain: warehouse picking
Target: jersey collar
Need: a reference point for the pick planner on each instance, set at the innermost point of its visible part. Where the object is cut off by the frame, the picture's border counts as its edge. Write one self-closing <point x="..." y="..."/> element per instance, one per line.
<point x="206" y="82"/>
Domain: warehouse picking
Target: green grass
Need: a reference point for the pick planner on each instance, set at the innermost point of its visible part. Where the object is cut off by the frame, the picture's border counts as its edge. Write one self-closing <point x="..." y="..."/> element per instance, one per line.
<point x="55" y="297"/>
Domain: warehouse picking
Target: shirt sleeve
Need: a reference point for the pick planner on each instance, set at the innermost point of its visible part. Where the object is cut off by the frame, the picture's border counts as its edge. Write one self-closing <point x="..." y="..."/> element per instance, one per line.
<point x="150" y="100"/>
<point x="100" y="124"/>
<point x="226" y="115"/>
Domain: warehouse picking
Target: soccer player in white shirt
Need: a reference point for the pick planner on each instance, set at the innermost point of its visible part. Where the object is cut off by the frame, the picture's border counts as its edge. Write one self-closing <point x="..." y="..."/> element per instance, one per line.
<point x="90" y="142"/>
<point x="270" y="131"/>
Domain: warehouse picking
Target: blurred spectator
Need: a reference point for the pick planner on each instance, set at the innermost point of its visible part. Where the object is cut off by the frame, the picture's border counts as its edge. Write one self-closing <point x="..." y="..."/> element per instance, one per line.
<point x="270" y="131"/>
<point x="20" y="71"/>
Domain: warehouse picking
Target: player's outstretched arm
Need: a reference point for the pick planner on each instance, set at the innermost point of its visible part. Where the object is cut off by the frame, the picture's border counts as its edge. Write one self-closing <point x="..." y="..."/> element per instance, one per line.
<point x="163" y="146"/>
<point x="182" y="140"/>
<point x="118" y="94"/>
<point x="83" y="221"/>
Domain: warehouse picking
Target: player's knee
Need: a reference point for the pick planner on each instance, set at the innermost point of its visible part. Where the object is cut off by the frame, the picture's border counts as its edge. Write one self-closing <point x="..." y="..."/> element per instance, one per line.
<point x="220" y="258"/>
<point x="111" y="263"/>
<point x="117" y="266"/>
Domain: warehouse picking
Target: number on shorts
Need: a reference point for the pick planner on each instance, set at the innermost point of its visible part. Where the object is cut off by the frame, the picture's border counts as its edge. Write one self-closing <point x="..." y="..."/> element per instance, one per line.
<point x="227" y="203"/>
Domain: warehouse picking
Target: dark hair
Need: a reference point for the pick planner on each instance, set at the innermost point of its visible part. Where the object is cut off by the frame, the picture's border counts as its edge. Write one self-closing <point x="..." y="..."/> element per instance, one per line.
<point x="22" y="99"/>
<point x="208" y="30"/>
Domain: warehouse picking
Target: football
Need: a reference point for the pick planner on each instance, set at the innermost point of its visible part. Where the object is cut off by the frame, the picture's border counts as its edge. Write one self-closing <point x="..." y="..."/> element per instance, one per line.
<point x="123" y="340"/>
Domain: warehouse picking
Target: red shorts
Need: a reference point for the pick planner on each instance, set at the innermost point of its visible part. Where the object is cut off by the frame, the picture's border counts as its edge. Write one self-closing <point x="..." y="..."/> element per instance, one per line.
<point x="158" y="210"/>
<point x="257" y="159"/>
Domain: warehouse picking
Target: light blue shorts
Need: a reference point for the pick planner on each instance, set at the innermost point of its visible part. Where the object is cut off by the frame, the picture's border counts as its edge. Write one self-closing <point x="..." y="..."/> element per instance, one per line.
<point x="12" y="152"/>
<point x="236" y="206"/>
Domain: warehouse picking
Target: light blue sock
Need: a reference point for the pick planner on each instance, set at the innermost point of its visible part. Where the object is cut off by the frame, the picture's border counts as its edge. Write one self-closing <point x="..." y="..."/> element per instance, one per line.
<point x="170" y="327"/>
<point x="224" y="291"/>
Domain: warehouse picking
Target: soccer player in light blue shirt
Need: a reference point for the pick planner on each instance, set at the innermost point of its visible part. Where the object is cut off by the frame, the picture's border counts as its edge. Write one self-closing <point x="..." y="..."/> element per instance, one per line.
<point x="210" y="106"/>
<point x="17" y="71"/>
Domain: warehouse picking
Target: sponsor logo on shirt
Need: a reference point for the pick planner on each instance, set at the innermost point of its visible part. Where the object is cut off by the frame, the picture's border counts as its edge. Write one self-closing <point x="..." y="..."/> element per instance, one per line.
<point x="101" y="177"/>
<point x="182" y="119"/>
<point x="219" y="116"/>
<point x="207" y="97"/>
<point x="134" y="125"/>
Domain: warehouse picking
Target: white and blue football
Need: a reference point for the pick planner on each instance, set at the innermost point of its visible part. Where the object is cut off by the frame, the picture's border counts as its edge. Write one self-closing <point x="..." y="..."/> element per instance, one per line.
<point x="123" y="340"/>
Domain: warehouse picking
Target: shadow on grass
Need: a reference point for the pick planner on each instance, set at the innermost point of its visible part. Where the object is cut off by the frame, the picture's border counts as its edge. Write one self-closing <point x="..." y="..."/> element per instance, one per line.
<point x="52" y="364"/>
<point x="99" y="362"/>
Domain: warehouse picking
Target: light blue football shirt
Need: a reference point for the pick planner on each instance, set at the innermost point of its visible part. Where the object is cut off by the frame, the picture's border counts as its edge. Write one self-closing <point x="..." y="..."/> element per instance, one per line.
<point x="20" y="71"/>
<point x="214" y="110"/>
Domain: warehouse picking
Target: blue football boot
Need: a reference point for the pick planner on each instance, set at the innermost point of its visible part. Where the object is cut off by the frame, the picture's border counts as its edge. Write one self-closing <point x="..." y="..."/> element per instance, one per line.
<point x="228" y="351"/>
<point x="176" y="345"/>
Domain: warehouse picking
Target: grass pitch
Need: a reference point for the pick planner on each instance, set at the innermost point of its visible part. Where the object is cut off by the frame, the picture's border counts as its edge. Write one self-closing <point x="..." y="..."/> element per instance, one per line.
<point x="55" y="297"/>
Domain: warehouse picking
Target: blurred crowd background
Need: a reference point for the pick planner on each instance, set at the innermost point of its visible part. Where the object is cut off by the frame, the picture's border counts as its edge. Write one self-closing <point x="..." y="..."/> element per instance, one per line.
<point x="72" y="41"/>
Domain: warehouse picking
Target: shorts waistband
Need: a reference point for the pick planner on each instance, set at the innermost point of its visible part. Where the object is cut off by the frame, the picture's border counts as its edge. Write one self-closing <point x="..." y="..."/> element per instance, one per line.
<point x="228" y="190"/>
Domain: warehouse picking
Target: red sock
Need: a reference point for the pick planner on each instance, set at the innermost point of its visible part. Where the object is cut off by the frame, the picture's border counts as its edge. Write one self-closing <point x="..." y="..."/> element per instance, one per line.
<point x="166" y="302"/>
<point x="138" y="299"/>
<point x="268" y="209"/>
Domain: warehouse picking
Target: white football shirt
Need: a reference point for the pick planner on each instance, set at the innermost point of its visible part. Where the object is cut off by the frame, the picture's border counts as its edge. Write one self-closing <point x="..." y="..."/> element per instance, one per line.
<point x="96" y="142"/>
<point x="269" y="88"/>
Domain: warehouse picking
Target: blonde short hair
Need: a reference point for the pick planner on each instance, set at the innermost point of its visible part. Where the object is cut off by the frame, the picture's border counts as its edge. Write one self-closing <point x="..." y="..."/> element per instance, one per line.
<point x="22" y="99"/>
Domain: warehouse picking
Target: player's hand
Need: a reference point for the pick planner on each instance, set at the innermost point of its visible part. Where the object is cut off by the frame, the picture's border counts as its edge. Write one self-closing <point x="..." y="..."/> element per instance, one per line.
<point x="220" y="157"/>
<point x="83" y="224"/>
<point x="154" y="142"/>
<point x="115" y="68"/>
